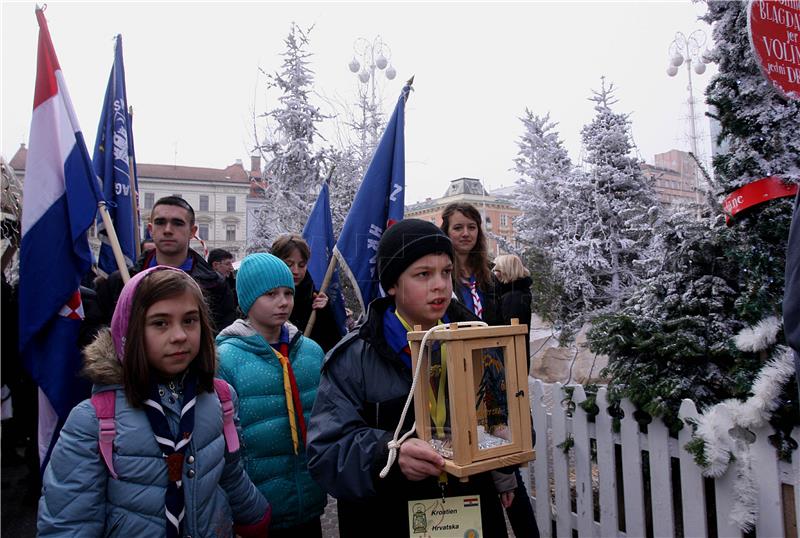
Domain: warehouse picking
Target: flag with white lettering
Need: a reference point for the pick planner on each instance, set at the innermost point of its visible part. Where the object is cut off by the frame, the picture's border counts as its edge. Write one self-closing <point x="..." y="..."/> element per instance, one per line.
<point x="113" y="158"/>
<point x="318" y="233"/>
<point x="379" y="203"/>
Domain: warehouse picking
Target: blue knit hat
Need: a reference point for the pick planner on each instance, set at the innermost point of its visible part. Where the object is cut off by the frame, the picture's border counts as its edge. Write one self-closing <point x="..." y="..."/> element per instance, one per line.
<point x="258" y="274"/>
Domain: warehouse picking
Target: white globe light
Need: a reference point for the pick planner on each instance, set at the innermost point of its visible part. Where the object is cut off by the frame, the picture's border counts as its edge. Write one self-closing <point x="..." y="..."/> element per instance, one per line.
<point x="677" y="60"/>
<point x="391" y="73"/>
<point x="363" y="76"/>
<point x="381" y="62"/>
<point x="700" y="68"/>
<point x="672" y="70"/>
<point x="354" y="65"/>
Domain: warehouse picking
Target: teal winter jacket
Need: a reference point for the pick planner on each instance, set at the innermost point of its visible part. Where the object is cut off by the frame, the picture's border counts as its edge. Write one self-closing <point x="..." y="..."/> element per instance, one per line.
<point x="250" y="365"/>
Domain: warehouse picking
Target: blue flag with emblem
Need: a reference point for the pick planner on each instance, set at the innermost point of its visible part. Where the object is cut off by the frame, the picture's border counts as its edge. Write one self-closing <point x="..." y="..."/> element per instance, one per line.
<point x="379" y="203"/>
<point x="113" y="163"/>
<point x="318" y="233"/>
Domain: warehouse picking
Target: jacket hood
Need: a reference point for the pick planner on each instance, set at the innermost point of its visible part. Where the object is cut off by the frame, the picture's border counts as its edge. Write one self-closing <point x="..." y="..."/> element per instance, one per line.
<point x="241" y="334"/>
<point x="100" y="362"/>
<point x="521" y="285"/>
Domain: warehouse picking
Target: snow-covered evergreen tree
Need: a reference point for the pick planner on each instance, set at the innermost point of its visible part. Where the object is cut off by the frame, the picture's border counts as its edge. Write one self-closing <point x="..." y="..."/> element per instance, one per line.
<point x="293" y="162"/>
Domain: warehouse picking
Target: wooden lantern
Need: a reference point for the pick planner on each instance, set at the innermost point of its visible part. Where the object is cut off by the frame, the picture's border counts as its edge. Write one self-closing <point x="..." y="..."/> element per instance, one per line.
<point x="483" y="419"/>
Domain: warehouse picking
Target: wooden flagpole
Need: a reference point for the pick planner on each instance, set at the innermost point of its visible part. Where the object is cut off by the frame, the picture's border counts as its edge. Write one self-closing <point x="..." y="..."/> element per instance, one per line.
<point x="114" y="241"/>
<point x="137" y="244"/>
<point x="312" y="319"/>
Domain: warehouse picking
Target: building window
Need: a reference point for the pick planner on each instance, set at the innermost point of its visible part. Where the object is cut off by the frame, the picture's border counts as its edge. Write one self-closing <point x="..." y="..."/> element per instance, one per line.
<point x="203" y="202"/>
<point x="202" y="231"/>
<point x="230" y="232"/>
<point x="503" y="220"/>
<point x="231" y="204"/>
<point x="149" y="200"/>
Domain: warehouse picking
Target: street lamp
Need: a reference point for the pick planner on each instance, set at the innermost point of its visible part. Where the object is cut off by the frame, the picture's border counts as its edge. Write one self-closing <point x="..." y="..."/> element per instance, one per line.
<point x="690" y="50"/>
<point x="370" y="58"/>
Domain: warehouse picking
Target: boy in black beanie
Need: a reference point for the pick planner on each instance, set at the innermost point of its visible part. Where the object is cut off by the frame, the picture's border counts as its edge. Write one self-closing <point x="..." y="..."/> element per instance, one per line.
<point x="365" y="382"/>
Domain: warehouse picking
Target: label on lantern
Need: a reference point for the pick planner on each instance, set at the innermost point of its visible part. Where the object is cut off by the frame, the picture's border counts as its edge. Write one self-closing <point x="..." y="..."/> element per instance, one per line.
<point x="451" y="516"/>
<point x="774" y="30"/>
<point x="754" y="193"/>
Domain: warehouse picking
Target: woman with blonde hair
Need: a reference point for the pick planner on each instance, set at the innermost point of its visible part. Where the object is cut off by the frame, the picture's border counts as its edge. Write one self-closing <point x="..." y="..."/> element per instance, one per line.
<point x="514" y="293"/>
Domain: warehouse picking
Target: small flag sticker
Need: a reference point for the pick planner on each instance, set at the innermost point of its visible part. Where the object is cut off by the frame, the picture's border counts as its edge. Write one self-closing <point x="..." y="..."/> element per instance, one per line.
<point x="471" y="501"/>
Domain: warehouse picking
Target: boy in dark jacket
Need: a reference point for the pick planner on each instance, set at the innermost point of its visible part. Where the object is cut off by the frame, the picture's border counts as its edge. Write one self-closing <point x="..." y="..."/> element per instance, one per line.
<point x="365" y="382"/>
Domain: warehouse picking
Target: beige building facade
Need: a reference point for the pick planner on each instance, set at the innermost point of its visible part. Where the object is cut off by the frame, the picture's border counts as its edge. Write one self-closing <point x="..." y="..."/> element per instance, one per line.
<point x="217" y="195"/>
<point x="498" y="212"/>
<point x="675" y="175"/>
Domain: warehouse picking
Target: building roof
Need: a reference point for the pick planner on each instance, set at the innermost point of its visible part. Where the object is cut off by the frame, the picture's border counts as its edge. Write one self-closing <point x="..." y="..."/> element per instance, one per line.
<point x="465" y="185"/>
<point x="234" y="173"/>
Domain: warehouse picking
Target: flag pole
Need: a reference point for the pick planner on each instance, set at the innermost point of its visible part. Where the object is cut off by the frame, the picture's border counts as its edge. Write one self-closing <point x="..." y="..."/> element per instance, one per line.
<point x="137" y="244"/>
<point x="312" y="319"/>
<point x="112" y="238"/>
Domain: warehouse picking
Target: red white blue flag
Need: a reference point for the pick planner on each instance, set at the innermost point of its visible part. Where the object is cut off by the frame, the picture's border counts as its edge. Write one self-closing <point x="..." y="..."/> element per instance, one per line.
<point x="60" y="202"/>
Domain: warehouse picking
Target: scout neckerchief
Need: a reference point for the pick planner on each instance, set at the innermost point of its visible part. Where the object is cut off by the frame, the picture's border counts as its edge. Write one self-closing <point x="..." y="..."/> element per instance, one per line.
<point x="438" y="380"/>
<point x="173" y="448"/>
<point x="472" y="296"/>
<point x="186" y="266"/>
<point x="294" y="407"/>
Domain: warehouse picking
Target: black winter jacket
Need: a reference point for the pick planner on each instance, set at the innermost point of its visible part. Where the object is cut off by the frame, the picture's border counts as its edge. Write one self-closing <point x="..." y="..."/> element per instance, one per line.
<point x="362" y="392"/>
<point x="325" y="332"/>
<point x="515" y="302"/>
<point x="216" y="290"/>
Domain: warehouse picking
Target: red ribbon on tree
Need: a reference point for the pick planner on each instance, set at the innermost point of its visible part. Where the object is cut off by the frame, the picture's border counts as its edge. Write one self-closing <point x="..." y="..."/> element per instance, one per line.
<point x="757" y="192"/>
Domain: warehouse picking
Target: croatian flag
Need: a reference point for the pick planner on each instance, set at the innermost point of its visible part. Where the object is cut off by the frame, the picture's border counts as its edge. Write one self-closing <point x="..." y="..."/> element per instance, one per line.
<point x="378" y="204"/>
<point x="61" y="195"/>
<point x="318" y="233"/>
<point x="113" y="163"/>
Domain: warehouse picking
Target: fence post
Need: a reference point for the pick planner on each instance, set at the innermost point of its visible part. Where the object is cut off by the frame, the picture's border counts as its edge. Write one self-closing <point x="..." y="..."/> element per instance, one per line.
<point x="660" y="478"/>
<point x="561" y="431"/>
<point x="632" y="473"/>
<point x="584" y="501"/>
<point x="541" y="468"/>
<point x="693" y="494"/>
<point x="606" y="467"/>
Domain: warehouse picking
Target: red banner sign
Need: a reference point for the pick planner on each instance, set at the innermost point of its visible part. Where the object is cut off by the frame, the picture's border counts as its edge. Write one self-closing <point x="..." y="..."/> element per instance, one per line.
<point x="774" y="28"/>
<point x="755" y="193"/>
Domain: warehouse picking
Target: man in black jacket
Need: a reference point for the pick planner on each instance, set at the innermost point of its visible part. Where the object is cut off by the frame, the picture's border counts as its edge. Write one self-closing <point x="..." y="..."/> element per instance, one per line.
<point x="172" y="226"/>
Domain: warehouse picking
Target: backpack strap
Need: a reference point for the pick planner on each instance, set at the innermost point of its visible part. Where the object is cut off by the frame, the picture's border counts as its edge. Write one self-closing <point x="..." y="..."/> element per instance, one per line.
<point x="228" y="427"/>
<point x="104" y="404"/>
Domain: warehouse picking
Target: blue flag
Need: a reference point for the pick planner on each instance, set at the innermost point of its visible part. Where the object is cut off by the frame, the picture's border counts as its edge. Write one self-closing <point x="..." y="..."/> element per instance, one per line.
<point x="379" y="203"/>
<point x="113" y="156"/>
<point x="61" y="195"/>
<point x="318" y="233"/>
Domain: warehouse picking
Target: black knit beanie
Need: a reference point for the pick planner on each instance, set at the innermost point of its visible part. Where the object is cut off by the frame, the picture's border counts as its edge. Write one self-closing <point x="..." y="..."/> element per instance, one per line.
<point x="404" y="243"/>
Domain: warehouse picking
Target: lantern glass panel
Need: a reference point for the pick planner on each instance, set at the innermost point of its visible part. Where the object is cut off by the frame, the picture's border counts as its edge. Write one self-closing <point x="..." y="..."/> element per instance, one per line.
<point x="438" y="419"/>
<point x="491" y="398"/>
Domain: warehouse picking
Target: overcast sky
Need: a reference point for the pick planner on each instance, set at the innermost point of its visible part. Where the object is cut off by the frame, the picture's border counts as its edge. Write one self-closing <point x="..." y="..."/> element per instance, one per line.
<point x="193" y="73"/>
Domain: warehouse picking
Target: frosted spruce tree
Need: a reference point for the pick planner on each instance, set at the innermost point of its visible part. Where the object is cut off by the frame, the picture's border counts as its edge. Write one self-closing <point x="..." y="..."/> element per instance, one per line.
<point x="546" y="195"/>
<point x="706" y="325"/>
<point x="608" y="220"/>
<point x="293" y="169"/>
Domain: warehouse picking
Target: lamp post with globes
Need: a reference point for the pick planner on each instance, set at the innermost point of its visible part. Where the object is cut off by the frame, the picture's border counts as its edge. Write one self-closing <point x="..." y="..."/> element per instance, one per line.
<point x="690" y="50"/>
<point x="369" y="59"/>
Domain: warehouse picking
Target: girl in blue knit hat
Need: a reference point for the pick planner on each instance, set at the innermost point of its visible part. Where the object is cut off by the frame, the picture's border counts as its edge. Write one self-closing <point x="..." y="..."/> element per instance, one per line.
<point x="275" y="371"/>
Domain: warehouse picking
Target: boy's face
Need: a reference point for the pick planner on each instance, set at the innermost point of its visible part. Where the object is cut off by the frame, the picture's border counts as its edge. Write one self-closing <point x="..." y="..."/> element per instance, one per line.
<point x="423" y="291"/>
<point x="170" y="229"/>
<point x="273" y="308"/>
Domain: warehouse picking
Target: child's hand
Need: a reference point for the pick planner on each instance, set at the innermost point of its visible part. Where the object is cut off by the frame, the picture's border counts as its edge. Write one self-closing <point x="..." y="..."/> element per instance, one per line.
<point x="507" y="498"/>
<point x="418" y="460"/>
<point x="320" y="301"/>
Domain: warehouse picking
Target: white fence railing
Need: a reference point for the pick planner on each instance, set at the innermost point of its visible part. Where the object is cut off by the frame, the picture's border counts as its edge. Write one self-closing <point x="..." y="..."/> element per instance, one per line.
<point x="638" y="484"/>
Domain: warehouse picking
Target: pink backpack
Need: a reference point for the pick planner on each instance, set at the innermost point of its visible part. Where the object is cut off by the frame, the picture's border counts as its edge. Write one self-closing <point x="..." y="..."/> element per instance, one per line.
<point x="104" y="404"/>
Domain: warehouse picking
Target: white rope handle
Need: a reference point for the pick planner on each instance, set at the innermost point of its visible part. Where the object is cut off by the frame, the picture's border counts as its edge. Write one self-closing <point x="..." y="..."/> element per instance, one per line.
<point x="394" y="444"/>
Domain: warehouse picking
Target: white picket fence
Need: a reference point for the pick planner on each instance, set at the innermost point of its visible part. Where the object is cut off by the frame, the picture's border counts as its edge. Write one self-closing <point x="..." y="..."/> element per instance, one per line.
<point x="583" y="495"/>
